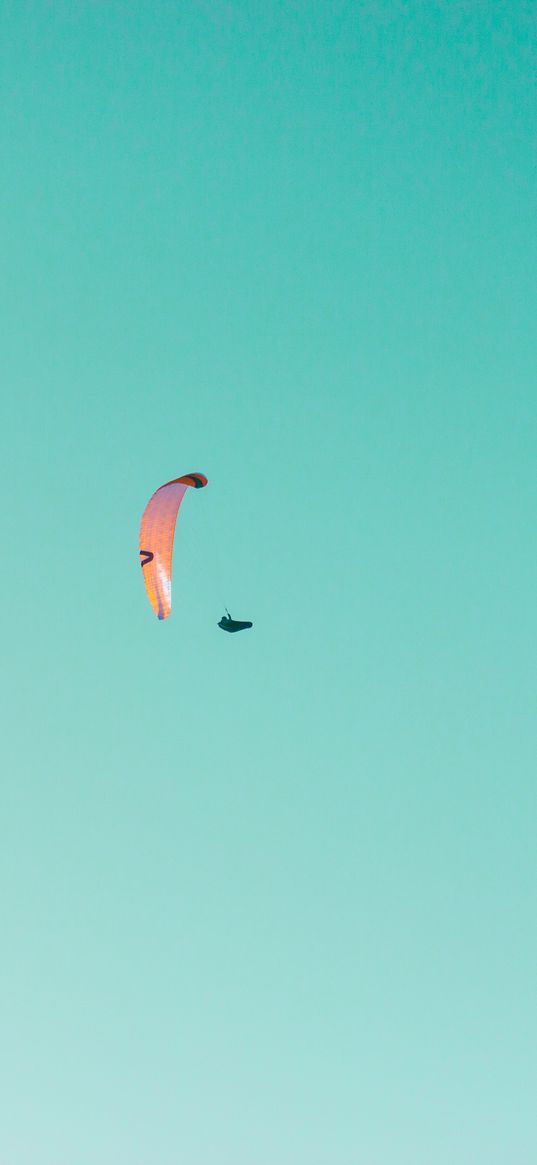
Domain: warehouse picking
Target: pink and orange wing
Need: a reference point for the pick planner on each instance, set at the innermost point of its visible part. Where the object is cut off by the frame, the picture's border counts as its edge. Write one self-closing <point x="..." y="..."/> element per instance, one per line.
<point x="157" y="531"/>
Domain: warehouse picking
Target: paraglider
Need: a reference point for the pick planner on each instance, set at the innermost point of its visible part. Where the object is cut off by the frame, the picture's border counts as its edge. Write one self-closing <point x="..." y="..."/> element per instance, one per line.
<point x="229" y="624"/>
<point x="157" y="531"/>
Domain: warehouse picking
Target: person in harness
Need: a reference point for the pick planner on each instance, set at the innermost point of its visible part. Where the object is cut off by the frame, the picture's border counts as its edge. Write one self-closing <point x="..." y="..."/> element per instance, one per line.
<point x="229" y="624"/>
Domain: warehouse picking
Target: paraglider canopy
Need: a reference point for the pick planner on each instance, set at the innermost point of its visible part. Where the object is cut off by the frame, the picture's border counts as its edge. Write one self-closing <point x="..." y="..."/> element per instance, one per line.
<point x="157" y="532"/>
<point x="229" y="624"/>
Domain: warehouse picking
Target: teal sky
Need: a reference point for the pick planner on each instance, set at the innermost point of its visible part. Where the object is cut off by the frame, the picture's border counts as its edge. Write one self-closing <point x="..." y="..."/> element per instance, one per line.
<point x="269" y="899"/>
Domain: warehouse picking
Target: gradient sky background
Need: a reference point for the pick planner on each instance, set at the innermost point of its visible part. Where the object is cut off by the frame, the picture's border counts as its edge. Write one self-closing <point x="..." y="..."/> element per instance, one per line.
<point x="269" y="899"/>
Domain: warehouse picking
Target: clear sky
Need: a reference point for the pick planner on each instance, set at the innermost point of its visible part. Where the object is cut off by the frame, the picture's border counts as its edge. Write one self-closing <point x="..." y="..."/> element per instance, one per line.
<point x="269" y="899"/>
